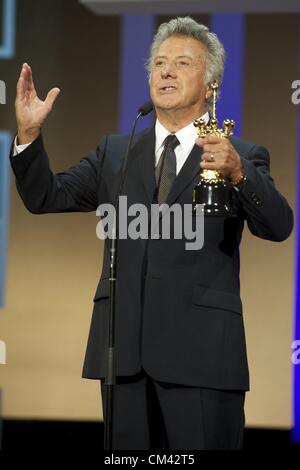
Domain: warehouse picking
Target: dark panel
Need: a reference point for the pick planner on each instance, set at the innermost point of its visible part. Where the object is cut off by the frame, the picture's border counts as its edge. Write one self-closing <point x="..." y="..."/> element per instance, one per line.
<point x="63" y="435"/>
<point x="270" y="68"/>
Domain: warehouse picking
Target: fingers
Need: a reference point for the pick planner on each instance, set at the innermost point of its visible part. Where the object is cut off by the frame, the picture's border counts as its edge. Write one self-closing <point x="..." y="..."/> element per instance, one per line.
<point x="20" y="88"/>
<point x="226" y="163"/>
<point x="21" y="85"/>
<point x="210" y="165"/>
<point x="25" y="83"/>
<point x="51" y="97"/>
<point x="214" y="144"/>
<point x="211" y="139"/>
<point x="30" y="83"/>
<point x="213" y="156"/>
<point x="218" y="147"/>
<point x="213" y="161"/>
<point x="216" y="152"/>
<point x="219" y="155"/>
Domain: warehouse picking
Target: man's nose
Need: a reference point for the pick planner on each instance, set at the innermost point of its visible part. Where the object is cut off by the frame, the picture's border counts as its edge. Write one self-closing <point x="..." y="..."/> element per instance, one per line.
<point x="169" y="70"/>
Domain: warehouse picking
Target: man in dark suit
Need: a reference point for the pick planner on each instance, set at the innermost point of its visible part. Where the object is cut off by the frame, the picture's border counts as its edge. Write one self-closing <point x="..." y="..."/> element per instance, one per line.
<point x="181" y="356"/>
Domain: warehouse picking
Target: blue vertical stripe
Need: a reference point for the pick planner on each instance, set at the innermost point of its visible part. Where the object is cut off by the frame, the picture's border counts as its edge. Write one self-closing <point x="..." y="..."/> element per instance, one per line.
<point x="296" y="375"/>
<point x="136" y="38"/>
<point x="7" y="51"/>
<point x="5" y="142"/>
<point x="7" y="47"/>
<point x="230" y="28"/>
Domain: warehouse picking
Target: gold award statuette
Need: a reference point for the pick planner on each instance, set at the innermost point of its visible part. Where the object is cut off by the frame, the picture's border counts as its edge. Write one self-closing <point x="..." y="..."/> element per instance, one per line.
<point x="213" y="190"/>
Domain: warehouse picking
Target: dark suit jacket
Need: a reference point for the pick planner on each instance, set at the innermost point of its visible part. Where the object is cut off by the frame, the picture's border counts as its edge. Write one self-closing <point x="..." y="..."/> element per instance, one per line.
<point x="178" y="312"/>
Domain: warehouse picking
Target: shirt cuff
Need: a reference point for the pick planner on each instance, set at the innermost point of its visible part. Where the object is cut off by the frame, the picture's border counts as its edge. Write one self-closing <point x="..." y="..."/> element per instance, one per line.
<point x="19" y="148"/>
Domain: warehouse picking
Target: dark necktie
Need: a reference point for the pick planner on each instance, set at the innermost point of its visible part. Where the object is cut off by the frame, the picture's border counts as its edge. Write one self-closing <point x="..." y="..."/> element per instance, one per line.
<point x="165" y="172"/>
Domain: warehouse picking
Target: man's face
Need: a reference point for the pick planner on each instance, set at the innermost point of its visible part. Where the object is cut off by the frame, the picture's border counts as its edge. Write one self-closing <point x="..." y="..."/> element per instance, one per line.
<point x="177" y="76"/>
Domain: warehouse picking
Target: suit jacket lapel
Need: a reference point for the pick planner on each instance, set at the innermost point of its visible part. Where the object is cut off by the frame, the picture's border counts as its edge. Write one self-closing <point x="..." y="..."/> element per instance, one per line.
<point x="186" y="175"/>
<point x="144" y="151"/>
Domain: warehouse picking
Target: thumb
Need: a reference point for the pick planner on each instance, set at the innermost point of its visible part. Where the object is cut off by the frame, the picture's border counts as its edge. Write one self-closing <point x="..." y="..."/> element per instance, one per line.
<point x="51" y="97"/>
<point x="200" y="141"/>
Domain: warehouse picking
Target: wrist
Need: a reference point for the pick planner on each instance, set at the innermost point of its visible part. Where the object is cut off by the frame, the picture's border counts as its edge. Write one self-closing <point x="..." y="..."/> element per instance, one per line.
<point x="27" y="136"/>
<point x="238" y="178"/>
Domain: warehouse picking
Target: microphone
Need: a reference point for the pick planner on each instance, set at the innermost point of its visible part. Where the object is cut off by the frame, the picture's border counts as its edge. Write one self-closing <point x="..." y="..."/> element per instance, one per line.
<point x="145" y="109"/>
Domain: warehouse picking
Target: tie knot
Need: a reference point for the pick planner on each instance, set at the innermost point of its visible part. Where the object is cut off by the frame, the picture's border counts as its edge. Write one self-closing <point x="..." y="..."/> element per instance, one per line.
<point x="171" y="141"/>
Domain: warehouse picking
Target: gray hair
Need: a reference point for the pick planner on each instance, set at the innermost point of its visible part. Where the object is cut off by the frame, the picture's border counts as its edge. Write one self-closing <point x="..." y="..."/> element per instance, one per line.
<point x="187" y="26"/>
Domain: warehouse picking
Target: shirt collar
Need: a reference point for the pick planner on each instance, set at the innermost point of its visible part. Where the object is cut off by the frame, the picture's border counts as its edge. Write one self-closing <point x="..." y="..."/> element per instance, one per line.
<point x="186" y="135"/>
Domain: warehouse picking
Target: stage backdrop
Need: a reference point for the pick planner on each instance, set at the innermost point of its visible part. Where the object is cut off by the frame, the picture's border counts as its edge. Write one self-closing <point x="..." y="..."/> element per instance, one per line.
<point x="54" y="261"/>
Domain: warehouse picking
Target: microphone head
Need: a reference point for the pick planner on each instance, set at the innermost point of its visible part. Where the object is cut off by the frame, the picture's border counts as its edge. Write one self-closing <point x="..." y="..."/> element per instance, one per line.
<point x="146" y="108"/>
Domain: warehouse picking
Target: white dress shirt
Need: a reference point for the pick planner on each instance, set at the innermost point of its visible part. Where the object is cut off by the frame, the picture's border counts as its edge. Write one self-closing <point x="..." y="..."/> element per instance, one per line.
<point x="19" y="148"/>
<point x="186" y="136"/>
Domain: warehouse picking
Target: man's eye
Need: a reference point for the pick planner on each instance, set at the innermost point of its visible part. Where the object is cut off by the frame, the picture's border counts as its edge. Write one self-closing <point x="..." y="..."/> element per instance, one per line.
<point x="159" y="63"/>
<point x="183" y="63"/>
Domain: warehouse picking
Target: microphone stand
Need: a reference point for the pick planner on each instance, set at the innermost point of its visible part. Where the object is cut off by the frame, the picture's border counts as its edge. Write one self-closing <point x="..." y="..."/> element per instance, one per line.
<point x="110" y="378"/>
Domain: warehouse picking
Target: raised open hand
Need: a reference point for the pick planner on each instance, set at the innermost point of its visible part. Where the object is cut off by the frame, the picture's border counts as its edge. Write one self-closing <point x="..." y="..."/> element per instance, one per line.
<point x="31" y="112"/>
